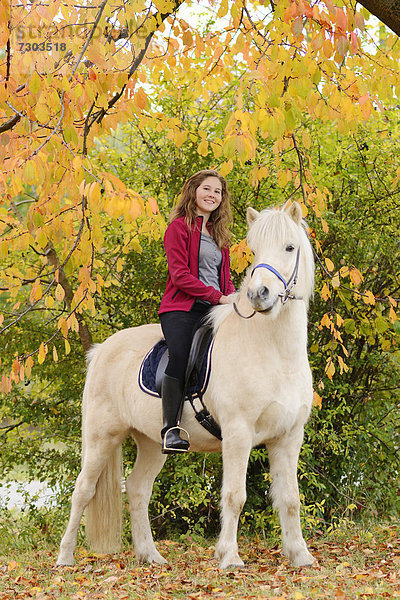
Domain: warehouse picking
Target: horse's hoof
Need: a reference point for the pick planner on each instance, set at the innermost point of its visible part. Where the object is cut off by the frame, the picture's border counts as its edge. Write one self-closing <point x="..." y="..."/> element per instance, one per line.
<point x="160" y="561"/>
<point x="303" y="560"/>
<point x="155" y="558"/>
<point x="65" y="562"/>
<point x="231" y="564"/>
<point x="232" y="567"/>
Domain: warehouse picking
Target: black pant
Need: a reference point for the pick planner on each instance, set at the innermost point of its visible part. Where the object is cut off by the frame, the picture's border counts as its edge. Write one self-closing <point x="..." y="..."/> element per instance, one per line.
<point x="178" y="328"/>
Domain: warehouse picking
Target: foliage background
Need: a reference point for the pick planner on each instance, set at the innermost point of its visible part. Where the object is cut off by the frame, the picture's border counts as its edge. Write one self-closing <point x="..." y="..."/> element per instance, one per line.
<point x="344" y="168"/>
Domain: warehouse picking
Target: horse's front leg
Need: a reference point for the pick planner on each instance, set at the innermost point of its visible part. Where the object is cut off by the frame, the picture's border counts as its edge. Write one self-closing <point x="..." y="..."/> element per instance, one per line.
<point x="283" y="458"/>
<point x="139" y="486"/>
<point x="236" y="448"/>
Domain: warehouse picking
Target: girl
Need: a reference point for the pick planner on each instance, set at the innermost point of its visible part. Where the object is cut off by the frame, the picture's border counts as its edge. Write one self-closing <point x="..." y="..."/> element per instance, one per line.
<point x="196" y="244"/>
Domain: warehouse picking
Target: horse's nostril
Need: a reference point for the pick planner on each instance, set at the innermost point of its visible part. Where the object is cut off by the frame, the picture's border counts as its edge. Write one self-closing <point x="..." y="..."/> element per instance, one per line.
<point x="263" y="292"/>
<point x="250" y="295"/>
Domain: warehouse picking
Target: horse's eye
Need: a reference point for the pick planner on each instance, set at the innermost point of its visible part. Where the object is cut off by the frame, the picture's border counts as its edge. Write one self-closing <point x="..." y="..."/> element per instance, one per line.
<point x="289" y="248"/>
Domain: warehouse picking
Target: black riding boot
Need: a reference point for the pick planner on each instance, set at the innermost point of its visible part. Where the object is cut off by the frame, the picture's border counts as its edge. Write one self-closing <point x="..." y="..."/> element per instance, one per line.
<point x="171" y="393"/>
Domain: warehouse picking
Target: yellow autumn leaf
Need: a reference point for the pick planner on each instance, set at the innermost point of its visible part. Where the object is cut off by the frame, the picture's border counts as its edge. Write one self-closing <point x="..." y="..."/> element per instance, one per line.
<point x="49" y="302"/>
<point x="187" y="38"/>
<point x="343" y="366"/>
<point x="202" y="148"/>
<point x="306" y="139"/>
<point x="28" y="366"/>
<point x="73" y="323"/>
<point x="368" y="297"/>
<point x="329" y="264"/>
<point x="339" y="320"/>
<point x="180" y="138"/>
<point x="59" y="293"/>
<point x="262" y="173"/>
<point x="282" y="178"/>
<point x="330" y="369"/>
<point x="355" y="276"/>
<point x="325" y="292"/>
<point x="36" y="292"/>
<point x="326" y="321"/>
<point x="16" y="366"/>
<point x="29" y="172"/>
<point x="3" y="249"/>
<point x="41" y="353"/>
<point x="226" y="167"/>
<point x="135" y="208"/>
<point x="336" y="280"/>
<point x="76" y="163"/>
<point x="153" y="205"/>
<point x="325" y="226"/>
<point x="35" y="83"/>
<point x="140" y="99"/>
<point x="317" y="400"/>
<point x="41" y="112"/>
<point x="327" y="48"/>
<point x="63" y="326"/>
<point x="94" y="193"/>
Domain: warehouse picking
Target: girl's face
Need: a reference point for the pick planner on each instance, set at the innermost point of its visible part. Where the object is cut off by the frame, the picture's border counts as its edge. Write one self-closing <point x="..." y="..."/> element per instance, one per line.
<point x="208" y="196"/>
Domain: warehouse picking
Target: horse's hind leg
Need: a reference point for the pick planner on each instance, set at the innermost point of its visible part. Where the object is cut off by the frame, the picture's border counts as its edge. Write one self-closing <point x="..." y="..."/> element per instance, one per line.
<point x="96" y="455"/>
<point x="139" y="486"/>
<point x="283" y="456"/>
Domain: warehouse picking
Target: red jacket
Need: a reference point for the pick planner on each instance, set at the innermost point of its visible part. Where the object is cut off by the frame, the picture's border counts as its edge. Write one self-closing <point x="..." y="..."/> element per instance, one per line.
<point x="183" y="284"/>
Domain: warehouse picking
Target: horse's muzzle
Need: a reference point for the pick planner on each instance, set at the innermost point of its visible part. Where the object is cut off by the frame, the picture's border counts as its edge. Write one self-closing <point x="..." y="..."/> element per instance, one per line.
<point x="261" y="299"/>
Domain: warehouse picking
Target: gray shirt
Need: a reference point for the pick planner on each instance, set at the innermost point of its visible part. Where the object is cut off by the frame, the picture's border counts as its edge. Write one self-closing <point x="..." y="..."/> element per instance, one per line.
<point x="210" y="259"/>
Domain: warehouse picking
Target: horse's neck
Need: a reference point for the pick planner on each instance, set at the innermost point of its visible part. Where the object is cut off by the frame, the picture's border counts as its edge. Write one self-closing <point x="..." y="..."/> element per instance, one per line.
<point x="285" y="335"/>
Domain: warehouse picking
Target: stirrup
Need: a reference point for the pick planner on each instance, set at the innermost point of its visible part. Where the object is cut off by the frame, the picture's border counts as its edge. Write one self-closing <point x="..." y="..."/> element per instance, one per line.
<point x="170" y="450"/>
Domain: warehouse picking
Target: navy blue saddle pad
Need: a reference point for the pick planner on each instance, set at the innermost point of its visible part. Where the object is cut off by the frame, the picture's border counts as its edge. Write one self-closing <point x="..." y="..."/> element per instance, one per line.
<point x="155" y="362"/>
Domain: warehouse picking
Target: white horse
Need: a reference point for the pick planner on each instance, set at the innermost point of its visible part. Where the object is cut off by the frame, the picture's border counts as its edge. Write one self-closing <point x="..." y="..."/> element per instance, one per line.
<point x="260" y="392"/>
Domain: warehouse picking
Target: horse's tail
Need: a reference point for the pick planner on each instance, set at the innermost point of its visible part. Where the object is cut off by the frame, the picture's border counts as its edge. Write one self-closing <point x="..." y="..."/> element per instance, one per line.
<point x="104" y="511"/>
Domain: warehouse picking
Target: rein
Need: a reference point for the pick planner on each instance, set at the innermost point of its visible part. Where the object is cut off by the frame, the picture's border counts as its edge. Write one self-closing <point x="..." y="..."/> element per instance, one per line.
<point x="289" y="285"/>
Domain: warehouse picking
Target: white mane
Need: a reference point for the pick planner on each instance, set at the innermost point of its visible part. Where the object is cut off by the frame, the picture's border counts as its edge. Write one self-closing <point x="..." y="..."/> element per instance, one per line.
<point x="218" y="314"/>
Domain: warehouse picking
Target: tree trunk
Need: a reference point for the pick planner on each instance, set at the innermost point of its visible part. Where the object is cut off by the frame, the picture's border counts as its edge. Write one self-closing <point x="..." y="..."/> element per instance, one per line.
<point x="84" y="332"/>
<point x="387" y="11"/>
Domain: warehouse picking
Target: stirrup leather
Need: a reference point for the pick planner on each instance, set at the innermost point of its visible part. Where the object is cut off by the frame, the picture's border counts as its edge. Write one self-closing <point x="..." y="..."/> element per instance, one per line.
<point x="169" y="449"/>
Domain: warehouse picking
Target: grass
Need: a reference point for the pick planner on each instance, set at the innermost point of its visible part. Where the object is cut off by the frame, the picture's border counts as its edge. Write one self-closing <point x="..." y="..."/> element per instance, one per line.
<point x="351" y="563"/>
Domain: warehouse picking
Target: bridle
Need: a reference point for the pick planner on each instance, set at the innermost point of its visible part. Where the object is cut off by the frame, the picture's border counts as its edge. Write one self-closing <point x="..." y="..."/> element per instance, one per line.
<point x="289" y="285"/>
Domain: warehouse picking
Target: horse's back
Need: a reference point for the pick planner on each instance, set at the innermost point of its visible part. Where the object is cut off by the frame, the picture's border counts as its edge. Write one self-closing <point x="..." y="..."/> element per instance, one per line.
<point x="114" y="364"/>
<point x="131" y="341"/>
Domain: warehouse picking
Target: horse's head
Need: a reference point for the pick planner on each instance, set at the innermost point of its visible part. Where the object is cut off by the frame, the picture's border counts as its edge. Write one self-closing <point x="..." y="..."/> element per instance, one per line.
<point x="283" y="267"/>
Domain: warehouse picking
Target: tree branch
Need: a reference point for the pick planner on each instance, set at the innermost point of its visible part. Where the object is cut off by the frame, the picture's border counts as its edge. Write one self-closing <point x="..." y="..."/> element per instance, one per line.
<point x="91" y="34"/>
<point x="100" y="114"/>
<point x="10" y="124"/>
<point x="387" y="11"/>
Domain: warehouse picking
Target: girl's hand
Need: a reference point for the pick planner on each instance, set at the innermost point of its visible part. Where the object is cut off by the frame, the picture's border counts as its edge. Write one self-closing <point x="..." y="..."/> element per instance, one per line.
<point x="226" y="299"/>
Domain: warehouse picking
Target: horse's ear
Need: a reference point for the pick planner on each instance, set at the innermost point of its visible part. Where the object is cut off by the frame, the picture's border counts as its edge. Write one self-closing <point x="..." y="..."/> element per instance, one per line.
<point x="252" y="215"/>
<point x="294" y="211"/>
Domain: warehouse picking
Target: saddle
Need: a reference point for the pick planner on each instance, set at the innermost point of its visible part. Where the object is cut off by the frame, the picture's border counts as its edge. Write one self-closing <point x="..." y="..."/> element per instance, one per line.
<point x="197" y="375"/>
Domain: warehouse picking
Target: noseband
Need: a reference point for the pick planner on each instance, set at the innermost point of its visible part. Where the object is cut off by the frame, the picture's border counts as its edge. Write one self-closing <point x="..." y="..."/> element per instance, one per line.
<point x="289" y="285"/>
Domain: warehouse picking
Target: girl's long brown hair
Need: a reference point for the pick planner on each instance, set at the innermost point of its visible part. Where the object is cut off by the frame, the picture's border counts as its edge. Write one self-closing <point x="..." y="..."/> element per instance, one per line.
<point x="220" y="218"/>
